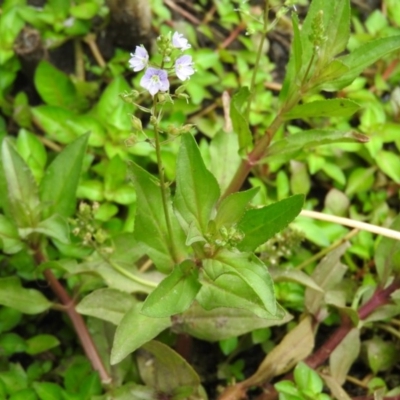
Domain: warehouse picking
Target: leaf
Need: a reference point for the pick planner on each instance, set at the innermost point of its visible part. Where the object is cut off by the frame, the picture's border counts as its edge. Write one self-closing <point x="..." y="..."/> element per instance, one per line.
<point x="239" y="122"/>
<point x="197" y="190"/>
<point x="106" y="304"/>
<point x="60" y="182"/>
<point x="150" y="224"/>
<point x="9" y="237"/>
<point x="381" y="355"/>
<point x="28" y="301"/>
<point x="40" y="343"/>
<point x="232" y="208"/>
<point x="364" y="56"/>
<point x="54" y="87"/>
<point x="223" y="322"/>
<point x="288" y="148"/>
<point x="335" y="388"/>
<point x="259" y="225"/>
<point x="326" y="275"/>
<point x="55" y="227"/>
<point x="224" y="157"/>
<point x="134" y="330"/>
<point x="55" y="122"/>
<point x="20" y="199"/>
<point x="389" y="163"/>
<point x="48" y="391"/>
<point x="323" y="108"/>
<point x="164" y="369"/>
<point x="175" y="293"/>
<point x="295" y="346"/>
<point x="297" y="49"/>
<point x="239" y="280"/>
<point x="293" y="275"/>
<point x="344" y="355"/>
<point x="337" y="30"/>
<point x="307" y="379"/>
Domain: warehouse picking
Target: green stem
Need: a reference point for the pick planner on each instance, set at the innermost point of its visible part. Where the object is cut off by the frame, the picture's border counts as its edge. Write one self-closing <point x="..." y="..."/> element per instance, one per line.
<point x="163" y="186"/>
<point x="257" y="63"/>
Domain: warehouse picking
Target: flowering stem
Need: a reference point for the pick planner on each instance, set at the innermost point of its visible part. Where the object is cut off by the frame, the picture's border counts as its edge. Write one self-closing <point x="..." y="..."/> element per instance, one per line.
<point x="163" y="186"/>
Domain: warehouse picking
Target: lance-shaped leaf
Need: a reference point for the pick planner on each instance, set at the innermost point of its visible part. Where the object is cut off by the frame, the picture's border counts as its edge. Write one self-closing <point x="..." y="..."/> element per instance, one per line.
<point x="224" y="322"/>
<point x="364" y="56"/>
<point x="323" y="108"/>
<point x="150" y="223"/>
<point x="232" y="208"/>
<point x="259" y="225"/>
<point x="60" y="181"/>
<point x="20" y="198"/>
<point x="239" y="122"/>
<point x="288" y="147"/>
<point x="175" y="293"/>
<point x="28" y="301"/>
<point x="241" y="280"/>
<point x="297" y="48"/>
<point x="134" y="330"/>
<point x="197" y="189"/>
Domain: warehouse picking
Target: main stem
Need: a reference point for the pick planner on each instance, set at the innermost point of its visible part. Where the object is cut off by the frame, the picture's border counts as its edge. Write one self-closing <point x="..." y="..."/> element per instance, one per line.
<point x="163" y="186"/>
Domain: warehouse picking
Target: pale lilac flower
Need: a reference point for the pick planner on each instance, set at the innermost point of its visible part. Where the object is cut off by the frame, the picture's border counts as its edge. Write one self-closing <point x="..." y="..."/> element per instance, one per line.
<point x="179" y="42"/>
<point x="139" y="59"/>
<point x="184" y="67"/>
<point x="155" y="80"/>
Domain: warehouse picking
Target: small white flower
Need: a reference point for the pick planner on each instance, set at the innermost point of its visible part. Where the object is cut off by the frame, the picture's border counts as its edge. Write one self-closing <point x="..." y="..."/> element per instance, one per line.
<point x="184" y="67"/>
<point x="155" y="80"/>
<point x="179" y="42"/>
<point x="139" y="59"/>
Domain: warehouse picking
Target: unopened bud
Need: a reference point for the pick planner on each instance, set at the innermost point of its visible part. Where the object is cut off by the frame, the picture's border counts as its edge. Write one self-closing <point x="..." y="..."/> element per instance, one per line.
<point x="136" y="123"/>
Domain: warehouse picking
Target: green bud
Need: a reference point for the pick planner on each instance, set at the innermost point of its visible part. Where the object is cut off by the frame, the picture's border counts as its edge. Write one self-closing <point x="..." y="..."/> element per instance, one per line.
<point x="317" y="36"/>
<point x="136" y="123"/>
<point x="153" y="120"/>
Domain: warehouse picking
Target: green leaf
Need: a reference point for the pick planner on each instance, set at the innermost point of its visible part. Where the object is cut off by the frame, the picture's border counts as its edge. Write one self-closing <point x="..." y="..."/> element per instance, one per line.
<point x="224" y="322"/>
<point x="168" y="371"/>
<point x="20" y="199"/>
<point x="297" y="49"/>
<point x="224" y="157"/>
<point x="55" y="122"/>
<point x="107" y="304"/>
<point x="54" y="87"/>
<point x="60" y="182"/>
<point x="55" y="227"/>
<point x="364" y="56"/>
<point x="389" y="163"/>
<point x="48" y="391"/>
<point x="9" y="237"/>
<point x="261" y="224"/>
<point x="175" y="293"/>
<point x="150" y="225"/>
<point x="337" y="31"/>
<point x="287" y="148"/>
<point x="232" y="208"/>
<point x="134" y="330"/>
<point x="28" y="301"/>
<point x="86" y="10"/>
<point x="323" y="108"/>
<point x="239" y="280"/>
<point x="239" y="122"/>
<point x="387" y="255"/>
<point x="307" y="379"/>
<point x="197" y="189"/>
<point x="40" y="343"/>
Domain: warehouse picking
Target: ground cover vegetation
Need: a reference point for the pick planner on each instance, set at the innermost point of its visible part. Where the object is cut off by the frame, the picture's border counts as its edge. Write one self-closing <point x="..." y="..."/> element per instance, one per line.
<point x="199" y="200"/>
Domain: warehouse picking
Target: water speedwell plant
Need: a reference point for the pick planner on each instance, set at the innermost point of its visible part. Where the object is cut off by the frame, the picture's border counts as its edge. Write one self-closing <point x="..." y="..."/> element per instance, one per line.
<point x="199" y="226"/>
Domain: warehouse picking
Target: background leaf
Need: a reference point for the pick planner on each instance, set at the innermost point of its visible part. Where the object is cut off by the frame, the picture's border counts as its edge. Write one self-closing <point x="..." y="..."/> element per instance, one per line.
<point x="59" y="184"/>
<point x="240" y="124"/>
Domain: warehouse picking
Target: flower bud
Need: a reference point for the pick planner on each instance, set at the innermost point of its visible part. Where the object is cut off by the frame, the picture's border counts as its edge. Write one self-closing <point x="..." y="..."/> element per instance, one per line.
<point x="136" y="123"/>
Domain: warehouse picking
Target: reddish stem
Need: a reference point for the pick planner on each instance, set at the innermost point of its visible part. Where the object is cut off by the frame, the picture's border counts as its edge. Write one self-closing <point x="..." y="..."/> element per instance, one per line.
<point x="76" y="319"/>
